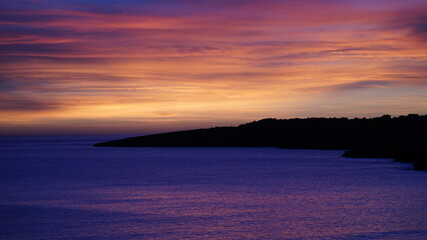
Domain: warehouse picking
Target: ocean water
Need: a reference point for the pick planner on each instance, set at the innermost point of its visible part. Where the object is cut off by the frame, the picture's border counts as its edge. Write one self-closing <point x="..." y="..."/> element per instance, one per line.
<point x="63" y="188"/>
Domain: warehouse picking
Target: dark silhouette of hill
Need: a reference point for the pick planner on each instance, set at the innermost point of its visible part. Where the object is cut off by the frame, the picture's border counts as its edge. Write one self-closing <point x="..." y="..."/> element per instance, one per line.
<point x="402" y="138"/>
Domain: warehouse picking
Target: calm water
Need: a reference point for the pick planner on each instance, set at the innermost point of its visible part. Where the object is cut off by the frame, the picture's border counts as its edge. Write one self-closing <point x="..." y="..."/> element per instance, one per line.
<point x="63" y="188"/>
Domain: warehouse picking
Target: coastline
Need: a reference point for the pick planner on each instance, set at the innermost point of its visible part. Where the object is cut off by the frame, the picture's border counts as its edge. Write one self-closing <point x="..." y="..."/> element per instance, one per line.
<point x="400" y="138"/>
<point x="415" y="156"/>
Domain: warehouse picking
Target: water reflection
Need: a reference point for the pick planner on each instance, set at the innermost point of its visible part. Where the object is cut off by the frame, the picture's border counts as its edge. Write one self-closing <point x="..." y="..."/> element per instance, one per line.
<point x="232" y="193"/>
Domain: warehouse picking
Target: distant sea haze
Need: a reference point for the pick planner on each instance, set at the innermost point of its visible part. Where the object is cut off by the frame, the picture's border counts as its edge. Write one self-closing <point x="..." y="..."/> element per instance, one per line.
<point x="63" y="188"/>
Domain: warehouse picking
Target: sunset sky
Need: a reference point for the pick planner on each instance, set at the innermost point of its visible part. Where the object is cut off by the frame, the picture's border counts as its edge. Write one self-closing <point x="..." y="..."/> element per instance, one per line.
<point x="148" y="66"/>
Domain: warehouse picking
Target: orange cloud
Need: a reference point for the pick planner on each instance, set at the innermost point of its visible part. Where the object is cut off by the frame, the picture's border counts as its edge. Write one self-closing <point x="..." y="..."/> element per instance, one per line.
<point x="207" y="63"/>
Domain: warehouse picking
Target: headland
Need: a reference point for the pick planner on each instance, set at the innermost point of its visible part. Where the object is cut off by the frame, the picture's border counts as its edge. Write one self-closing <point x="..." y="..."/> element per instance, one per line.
<point x="402" y="138"/>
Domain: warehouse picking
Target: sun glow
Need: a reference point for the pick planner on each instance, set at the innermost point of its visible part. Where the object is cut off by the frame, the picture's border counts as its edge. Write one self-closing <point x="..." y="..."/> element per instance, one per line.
<point x="148" y="65"/>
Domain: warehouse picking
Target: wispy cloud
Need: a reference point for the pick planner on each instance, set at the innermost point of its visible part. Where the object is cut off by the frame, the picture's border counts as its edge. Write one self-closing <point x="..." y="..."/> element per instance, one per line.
<point x="362" y="85"/>
<point x="177" y="59"/>
<point x="25" y="103"/>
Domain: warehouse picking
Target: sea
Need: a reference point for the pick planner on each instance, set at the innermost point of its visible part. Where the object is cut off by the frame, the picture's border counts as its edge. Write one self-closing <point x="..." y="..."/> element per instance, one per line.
<point x="61" y="187"/>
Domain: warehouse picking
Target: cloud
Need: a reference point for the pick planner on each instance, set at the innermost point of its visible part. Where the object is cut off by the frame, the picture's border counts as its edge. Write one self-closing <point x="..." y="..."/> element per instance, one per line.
<point x="25" y="103"/>
<point x="362" y="85"/>
<point x="413" y="20"/>
<point x="407" y="82"/>
<point x="419" y="28"/>
<point x="110" y="58"/>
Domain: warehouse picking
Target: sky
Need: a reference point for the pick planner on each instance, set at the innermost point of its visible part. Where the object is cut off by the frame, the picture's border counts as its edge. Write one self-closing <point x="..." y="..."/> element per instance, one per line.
<point x="149" y="66"/>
